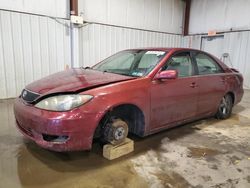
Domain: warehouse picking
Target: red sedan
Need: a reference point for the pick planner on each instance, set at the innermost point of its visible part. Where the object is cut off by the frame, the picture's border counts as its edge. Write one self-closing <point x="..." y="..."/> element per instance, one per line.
<point x="141" y="91"/>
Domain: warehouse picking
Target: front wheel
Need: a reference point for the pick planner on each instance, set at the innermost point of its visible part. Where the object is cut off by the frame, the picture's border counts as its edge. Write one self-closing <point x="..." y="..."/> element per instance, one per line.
<point x="225" y="107"/>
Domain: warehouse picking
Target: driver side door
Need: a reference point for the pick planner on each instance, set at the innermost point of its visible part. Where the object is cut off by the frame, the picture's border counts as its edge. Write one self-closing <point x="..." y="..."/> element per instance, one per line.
<point x="174" y="100"/>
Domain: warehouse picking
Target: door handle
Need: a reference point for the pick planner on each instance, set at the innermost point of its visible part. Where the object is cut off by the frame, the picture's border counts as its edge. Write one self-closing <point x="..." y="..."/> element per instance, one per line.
<point x="193" y="85"/>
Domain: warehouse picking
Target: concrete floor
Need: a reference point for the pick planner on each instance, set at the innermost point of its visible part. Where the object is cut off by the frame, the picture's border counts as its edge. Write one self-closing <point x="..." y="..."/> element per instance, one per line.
<point x="207" y="153"/>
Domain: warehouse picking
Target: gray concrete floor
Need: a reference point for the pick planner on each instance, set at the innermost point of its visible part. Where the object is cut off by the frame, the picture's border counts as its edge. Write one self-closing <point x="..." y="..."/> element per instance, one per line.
<point x="207" y="153"/>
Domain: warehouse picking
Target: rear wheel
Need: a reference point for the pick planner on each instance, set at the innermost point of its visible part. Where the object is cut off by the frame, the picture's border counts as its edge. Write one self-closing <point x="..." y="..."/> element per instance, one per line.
<point x="115" y="131"/>
<point x="225" y="107"/>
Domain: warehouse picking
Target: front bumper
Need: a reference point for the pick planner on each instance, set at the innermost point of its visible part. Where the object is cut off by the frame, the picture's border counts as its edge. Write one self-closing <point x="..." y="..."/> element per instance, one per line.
<point x="76" y="126"/>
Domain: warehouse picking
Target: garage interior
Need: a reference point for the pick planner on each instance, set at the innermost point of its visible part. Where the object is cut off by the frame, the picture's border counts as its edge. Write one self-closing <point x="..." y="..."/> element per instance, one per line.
<point x="38" y="38"/>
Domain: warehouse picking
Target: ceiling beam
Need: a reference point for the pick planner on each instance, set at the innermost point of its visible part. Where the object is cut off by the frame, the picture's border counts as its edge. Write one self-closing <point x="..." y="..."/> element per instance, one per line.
<point x="187" y="17"/>
<point x="74" y="7"/>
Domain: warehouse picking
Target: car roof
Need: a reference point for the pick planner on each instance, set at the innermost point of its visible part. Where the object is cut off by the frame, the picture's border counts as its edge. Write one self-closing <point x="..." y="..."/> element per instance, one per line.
<point x="164" y="49"/>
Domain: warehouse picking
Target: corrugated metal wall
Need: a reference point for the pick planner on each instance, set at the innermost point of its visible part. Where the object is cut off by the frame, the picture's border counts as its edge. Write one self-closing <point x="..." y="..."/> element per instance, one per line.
<point x="223" y="15"/>
<point x="31" y="47"/>
<point x="100" y="41"/>
<point x="54" y="8"/>
<point x="117" y="25"/>
<point x="236" y="44"/>
<point x="157" y="15"/>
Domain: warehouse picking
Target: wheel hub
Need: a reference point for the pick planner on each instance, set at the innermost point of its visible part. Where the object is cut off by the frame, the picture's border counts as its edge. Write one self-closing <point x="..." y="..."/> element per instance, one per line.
<point x="119" y="133"/>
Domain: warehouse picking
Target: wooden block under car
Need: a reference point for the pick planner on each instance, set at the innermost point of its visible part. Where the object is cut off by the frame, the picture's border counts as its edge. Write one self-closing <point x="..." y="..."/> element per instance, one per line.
<point x="112" y="152"/>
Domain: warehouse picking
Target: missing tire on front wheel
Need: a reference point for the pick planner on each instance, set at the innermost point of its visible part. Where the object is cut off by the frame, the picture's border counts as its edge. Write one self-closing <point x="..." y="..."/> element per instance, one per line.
<point x="115" y="131"/>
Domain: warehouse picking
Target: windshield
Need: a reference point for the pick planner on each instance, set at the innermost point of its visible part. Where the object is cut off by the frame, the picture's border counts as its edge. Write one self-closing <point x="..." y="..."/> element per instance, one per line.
<point x="131" y="63"/>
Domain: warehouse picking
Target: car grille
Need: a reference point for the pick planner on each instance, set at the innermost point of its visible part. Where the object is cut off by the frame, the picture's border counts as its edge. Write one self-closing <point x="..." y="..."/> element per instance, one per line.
<point x="29" y="96"/>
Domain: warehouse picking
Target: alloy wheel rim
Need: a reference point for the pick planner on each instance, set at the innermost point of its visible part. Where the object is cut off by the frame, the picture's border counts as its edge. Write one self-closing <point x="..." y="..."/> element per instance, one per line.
<point x="225" y="105"/>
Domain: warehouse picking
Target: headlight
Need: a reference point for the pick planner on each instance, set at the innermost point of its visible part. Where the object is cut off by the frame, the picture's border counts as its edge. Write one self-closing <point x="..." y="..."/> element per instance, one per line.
<point x="62" y="103"/>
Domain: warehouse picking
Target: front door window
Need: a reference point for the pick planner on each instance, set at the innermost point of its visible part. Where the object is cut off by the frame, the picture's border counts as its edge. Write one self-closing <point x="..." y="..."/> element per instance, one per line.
<point x="182" y="63"/>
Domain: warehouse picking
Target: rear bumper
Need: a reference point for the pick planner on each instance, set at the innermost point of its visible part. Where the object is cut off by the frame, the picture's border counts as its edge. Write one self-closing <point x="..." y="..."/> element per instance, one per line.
<point x="238" y="95"/>
<point x="75" y="127"/>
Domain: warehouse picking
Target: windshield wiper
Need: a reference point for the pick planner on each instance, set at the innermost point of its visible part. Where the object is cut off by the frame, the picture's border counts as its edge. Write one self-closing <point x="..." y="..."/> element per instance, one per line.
<point x="86" y="68"/>
<point x="106" y="71"/>
<point x="119" y="73"/>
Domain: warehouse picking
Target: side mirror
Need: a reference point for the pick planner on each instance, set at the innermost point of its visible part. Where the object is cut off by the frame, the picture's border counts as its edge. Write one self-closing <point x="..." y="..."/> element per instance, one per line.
<point x="168" y="74"/>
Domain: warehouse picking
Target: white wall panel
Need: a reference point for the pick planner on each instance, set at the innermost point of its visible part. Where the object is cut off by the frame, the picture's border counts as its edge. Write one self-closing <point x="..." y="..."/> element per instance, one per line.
<point x="238" y="46"/>
<point x="223" y="15"/>
<point x="157" y="15"/>
<point x="100" y="41"/>
<point x="30" y="47"/>
<point x="191" y="41"/>
<point x="54" y="8"/>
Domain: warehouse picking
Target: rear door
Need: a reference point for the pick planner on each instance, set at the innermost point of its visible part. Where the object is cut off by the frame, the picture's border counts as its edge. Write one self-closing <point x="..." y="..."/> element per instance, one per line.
<point x="211" y="83"/>
<point x="174" y="100"/>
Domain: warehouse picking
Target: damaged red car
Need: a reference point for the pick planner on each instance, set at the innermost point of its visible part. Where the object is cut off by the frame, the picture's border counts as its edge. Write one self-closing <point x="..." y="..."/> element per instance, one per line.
<point x="140" y="91"/>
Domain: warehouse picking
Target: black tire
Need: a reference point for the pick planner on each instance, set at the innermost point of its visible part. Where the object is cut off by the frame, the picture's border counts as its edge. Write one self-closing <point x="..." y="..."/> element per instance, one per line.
<point x="225" y="107"/>
<point x="115" y="131"/>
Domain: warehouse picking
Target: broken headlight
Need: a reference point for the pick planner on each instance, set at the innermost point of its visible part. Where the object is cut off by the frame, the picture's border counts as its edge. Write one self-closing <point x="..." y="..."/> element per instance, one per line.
<point x="63" y="103"/>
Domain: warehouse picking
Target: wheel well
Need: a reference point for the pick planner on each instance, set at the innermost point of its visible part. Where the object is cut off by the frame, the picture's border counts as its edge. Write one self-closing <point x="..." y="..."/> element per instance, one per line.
<point x="232" y="95"/>
<point x="129" y="113"/>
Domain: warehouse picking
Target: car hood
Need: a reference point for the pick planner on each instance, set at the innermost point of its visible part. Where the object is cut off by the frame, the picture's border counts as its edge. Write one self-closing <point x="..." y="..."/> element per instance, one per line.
<point x="74" y="80"/>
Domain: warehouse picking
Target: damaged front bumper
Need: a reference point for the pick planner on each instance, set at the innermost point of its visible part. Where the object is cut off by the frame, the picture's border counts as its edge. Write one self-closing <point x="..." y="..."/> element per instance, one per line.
<point x="57" y="131"/>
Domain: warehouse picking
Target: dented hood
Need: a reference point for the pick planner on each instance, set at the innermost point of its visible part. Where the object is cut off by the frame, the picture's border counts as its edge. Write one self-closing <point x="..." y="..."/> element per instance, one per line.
<point x="73" y="80"/>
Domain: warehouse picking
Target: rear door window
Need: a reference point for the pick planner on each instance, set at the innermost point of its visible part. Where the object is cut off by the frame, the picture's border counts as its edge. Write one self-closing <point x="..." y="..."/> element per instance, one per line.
<point x="206" y="65"/>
